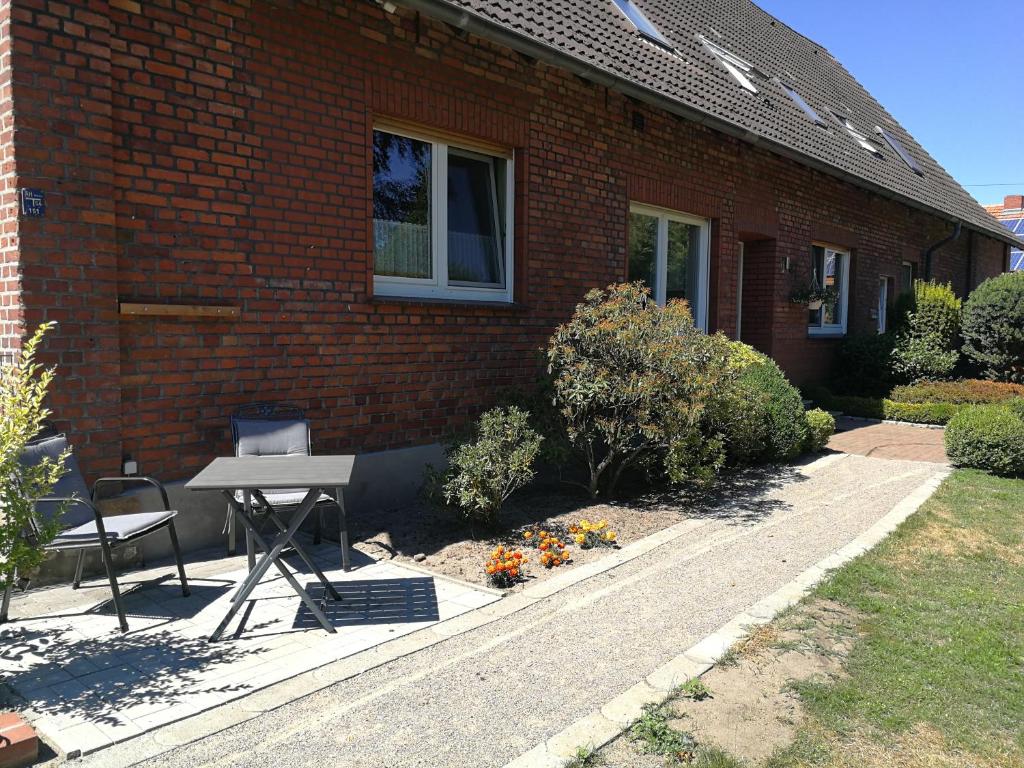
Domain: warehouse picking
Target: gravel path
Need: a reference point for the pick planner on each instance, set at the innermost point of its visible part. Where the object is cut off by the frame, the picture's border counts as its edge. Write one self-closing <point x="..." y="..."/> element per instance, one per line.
<point x="484" y="697"/>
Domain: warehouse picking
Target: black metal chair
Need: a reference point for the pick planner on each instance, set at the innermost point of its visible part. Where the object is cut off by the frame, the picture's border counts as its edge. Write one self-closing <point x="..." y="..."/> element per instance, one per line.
<point x="272" y="429"/>
<point x="83" y="525"/>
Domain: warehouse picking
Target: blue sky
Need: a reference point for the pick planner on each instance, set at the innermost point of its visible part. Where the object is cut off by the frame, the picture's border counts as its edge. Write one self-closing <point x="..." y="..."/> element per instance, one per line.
<point x="951" y="72"/>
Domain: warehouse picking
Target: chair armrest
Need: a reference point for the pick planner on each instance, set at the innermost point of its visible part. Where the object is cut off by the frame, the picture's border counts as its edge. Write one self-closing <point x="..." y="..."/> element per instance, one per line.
<point x="136" y="480"/>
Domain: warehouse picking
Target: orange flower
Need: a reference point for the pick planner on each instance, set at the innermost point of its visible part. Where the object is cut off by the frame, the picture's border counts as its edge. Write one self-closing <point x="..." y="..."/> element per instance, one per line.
<point x="514" y="573"/>
<point x="544" y="547"/>
<point x="543" y="534"/>
<point x="527" y="534"/>
<point x="517" y="555"/>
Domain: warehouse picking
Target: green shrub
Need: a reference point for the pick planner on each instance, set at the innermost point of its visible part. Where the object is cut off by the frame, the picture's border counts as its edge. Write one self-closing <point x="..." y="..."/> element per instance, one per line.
<point x="820" y="427"/>
<point x="23" y="387"/>
<point x="864" y="364"/>
<point x="484" y="471"/>
<point x="989" y="437"/>
<point x="632" y="382"/>
<point x="1017" y="406"/>
<point x="761" y="416"/>
<point x="926" y="347"/>
<point x="993" y="327"/>
<point x="884" y="408"/>
<point x="964" y="391"/>
<point x="742" y="356"/>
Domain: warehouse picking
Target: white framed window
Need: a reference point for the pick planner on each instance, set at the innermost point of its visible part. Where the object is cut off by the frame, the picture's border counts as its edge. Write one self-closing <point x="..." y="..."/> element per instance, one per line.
<point x="441" y="219"/>
<point x="669" y="252"/>
<point x="830" y="269"/>
<point x="908" y="273"/>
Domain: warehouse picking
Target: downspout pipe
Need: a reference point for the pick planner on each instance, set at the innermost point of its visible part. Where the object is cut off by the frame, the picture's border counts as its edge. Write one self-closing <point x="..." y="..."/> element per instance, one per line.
<point x="957" y="228"/>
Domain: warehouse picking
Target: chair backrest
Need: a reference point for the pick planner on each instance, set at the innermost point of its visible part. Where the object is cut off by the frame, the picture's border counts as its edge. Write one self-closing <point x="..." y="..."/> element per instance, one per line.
<point x="71" y="483"/>
<point x="275" y="437"/>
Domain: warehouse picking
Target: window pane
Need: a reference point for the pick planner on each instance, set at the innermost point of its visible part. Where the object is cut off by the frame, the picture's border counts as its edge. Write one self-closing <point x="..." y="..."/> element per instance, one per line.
<point x="833" y="277"/>
<point x="643" y="248"/>
<point x="474" y="242"/>
<point x="683" y="267"/>
<point x="401" y="206"/>
<point x="817" y="266"/>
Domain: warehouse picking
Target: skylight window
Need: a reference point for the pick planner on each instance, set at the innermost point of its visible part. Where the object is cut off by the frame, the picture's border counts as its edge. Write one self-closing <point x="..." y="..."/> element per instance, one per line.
<point x="857" y="135"/>
<point x="799" y="101"/>
<point x="737" y="67"/>
<point x="642" y="23"/>
<point x="899" y="149"/>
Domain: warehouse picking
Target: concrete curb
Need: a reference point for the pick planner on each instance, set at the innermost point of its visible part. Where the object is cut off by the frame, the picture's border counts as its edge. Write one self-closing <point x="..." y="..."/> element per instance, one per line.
<point x="602" y="725"/>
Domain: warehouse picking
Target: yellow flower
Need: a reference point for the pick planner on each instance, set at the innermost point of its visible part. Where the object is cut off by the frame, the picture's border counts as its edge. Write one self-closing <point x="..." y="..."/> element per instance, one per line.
<point x="610" y="536"/>
<point x="580" y="538"/>
<point x="527" y="534"/>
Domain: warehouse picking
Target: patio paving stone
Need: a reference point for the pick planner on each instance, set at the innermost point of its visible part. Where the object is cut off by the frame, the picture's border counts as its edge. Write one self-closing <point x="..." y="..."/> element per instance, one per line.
<point x="87" y="686"/>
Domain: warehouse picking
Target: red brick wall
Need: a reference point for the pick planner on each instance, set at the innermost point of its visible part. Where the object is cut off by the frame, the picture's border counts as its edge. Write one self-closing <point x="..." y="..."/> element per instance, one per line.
<point x="220" y="153"/>
<point x="10" y="279"/>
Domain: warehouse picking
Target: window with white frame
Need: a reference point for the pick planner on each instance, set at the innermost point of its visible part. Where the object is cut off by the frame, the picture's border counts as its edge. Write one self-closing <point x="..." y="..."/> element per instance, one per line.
<point x="441" y="219"/>
<point x="669" y="252"/>
<point x="831" y="269"/>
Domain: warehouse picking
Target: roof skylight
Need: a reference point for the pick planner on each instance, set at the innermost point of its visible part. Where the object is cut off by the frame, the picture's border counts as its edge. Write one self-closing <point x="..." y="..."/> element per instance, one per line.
<point x="899" y="149"/>
<point x="642" y="23"/>
<point x="799" y="101"/>
<point x="859" y="137"/>
<point x="737" y="67"/>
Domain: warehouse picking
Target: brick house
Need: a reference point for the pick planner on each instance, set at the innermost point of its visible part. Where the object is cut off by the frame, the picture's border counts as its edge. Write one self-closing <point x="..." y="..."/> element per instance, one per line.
<point x="379" y="210"/>
<point x="1011" y="214"/>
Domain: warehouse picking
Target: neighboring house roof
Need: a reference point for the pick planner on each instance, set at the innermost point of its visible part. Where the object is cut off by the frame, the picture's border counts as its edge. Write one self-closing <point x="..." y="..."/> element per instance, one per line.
<point x="596" y="40"/>
<point x="1011" y="214"/>
<point x="1016" y="254"/>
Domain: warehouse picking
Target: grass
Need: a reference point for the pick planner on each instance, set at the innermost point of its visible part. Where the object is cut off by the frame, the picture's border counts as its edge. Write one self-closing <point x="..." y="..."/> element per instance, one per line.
<point x="938" y="669"/>
<point x="585" y="757"/>
<point x="654" y="736"/>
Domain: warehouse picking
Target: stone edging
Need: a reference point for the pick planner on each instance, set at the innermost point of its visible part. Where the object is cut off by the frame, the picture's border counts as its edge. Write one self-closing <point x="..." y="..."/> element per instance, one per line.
<point x="602" y="725"/>
<point x="869" y="420"/>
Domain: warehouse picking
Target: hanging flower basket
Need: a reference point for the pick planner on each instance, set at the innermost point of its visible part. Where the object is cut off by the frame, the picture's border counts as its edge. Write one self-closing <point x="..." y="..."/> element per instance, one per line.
<point x="813" y="295"/>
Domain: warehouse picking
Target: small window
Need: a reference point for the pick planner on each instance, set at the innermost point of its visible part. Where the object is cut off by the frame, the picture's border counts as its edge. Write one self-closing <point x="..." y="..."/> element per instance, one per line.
<point x="799" y="101"/>
<point x="642" y="23"/>
<point x="440" y="220"/>
<point x="669" y="252"/>
<point x="857" y="134"/>
<point x="740" y="69"/>
<point x="899" y="149"/>
<point x="831" y="269"/>
<point x="908" y="272"/>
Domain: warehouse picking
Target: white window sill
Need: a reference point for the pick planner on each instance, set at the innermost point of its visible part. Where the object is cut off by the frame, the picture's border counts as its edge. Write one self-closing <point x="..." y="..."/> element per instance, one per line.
<point x="386" y="290"/>
<point x="819" y="332"/>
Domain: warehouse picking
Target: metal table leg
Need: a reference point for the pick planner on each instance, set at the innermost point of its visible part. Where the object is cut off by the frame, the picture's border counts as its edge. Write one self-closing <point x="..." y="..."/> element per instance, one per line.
<point x="272" y="513"/>
<point x="271" y="557"/>
<point x="339" y="497"/>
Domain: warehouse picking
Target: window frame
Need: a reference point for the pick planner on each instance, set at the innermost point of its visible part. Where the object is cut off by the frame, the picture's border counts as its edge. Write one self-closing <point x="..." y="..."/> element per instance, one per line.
<point x="739" y="68"/>
<point x="834" y="329"/>
<point x="438" y="286"/>
<point x="882" y="300"/>
<point x="659" y="290"/>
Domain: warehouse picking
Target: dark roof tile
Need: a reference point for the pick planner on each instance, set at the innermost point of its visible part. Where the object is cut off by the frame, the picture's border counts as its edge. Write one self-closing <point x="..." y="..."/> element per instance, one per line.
<point x="595" y="32"/>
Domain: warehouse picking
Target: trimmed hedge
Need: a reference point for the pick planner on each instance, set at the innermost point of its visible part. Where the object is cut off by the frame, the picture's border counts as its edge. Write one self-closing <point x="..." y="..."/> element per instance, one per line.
<point x="966" y="391"/>
<point x="884" y="408"/>
<point x="989" y="437"/>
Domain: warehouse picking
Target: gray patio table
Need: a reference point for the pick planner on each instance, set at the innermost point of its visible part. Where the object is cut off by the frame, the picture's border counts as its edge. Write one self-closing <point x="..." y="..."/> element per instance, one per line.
<point x="253" y="475"/>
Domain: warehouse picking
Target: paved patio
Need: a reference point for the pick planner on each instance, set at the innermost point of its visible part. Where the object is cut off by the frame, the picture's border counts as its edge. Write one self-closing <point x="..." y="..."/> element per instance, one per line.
<point x="88" y="686"/>
<point x="889" y="441"/>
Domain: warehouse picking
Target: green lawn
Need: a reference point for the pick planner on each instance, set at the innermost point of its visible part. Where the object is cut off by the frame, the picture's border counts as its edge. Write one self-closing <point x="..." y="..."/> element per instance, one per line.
<point x="937" y="676"/>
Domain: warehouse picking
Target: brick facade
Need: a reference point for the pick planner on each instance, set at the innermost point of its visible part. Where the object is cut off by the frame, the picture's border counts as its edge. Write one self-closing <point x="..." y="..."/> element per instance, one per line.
<point x="220" y="153"/>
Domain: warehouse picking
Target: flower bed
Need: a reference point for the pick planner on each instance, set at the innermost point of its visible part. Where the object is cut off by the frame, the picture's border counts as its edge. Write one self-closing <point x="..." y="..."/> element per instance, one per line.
<point x="454" y="548"/>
